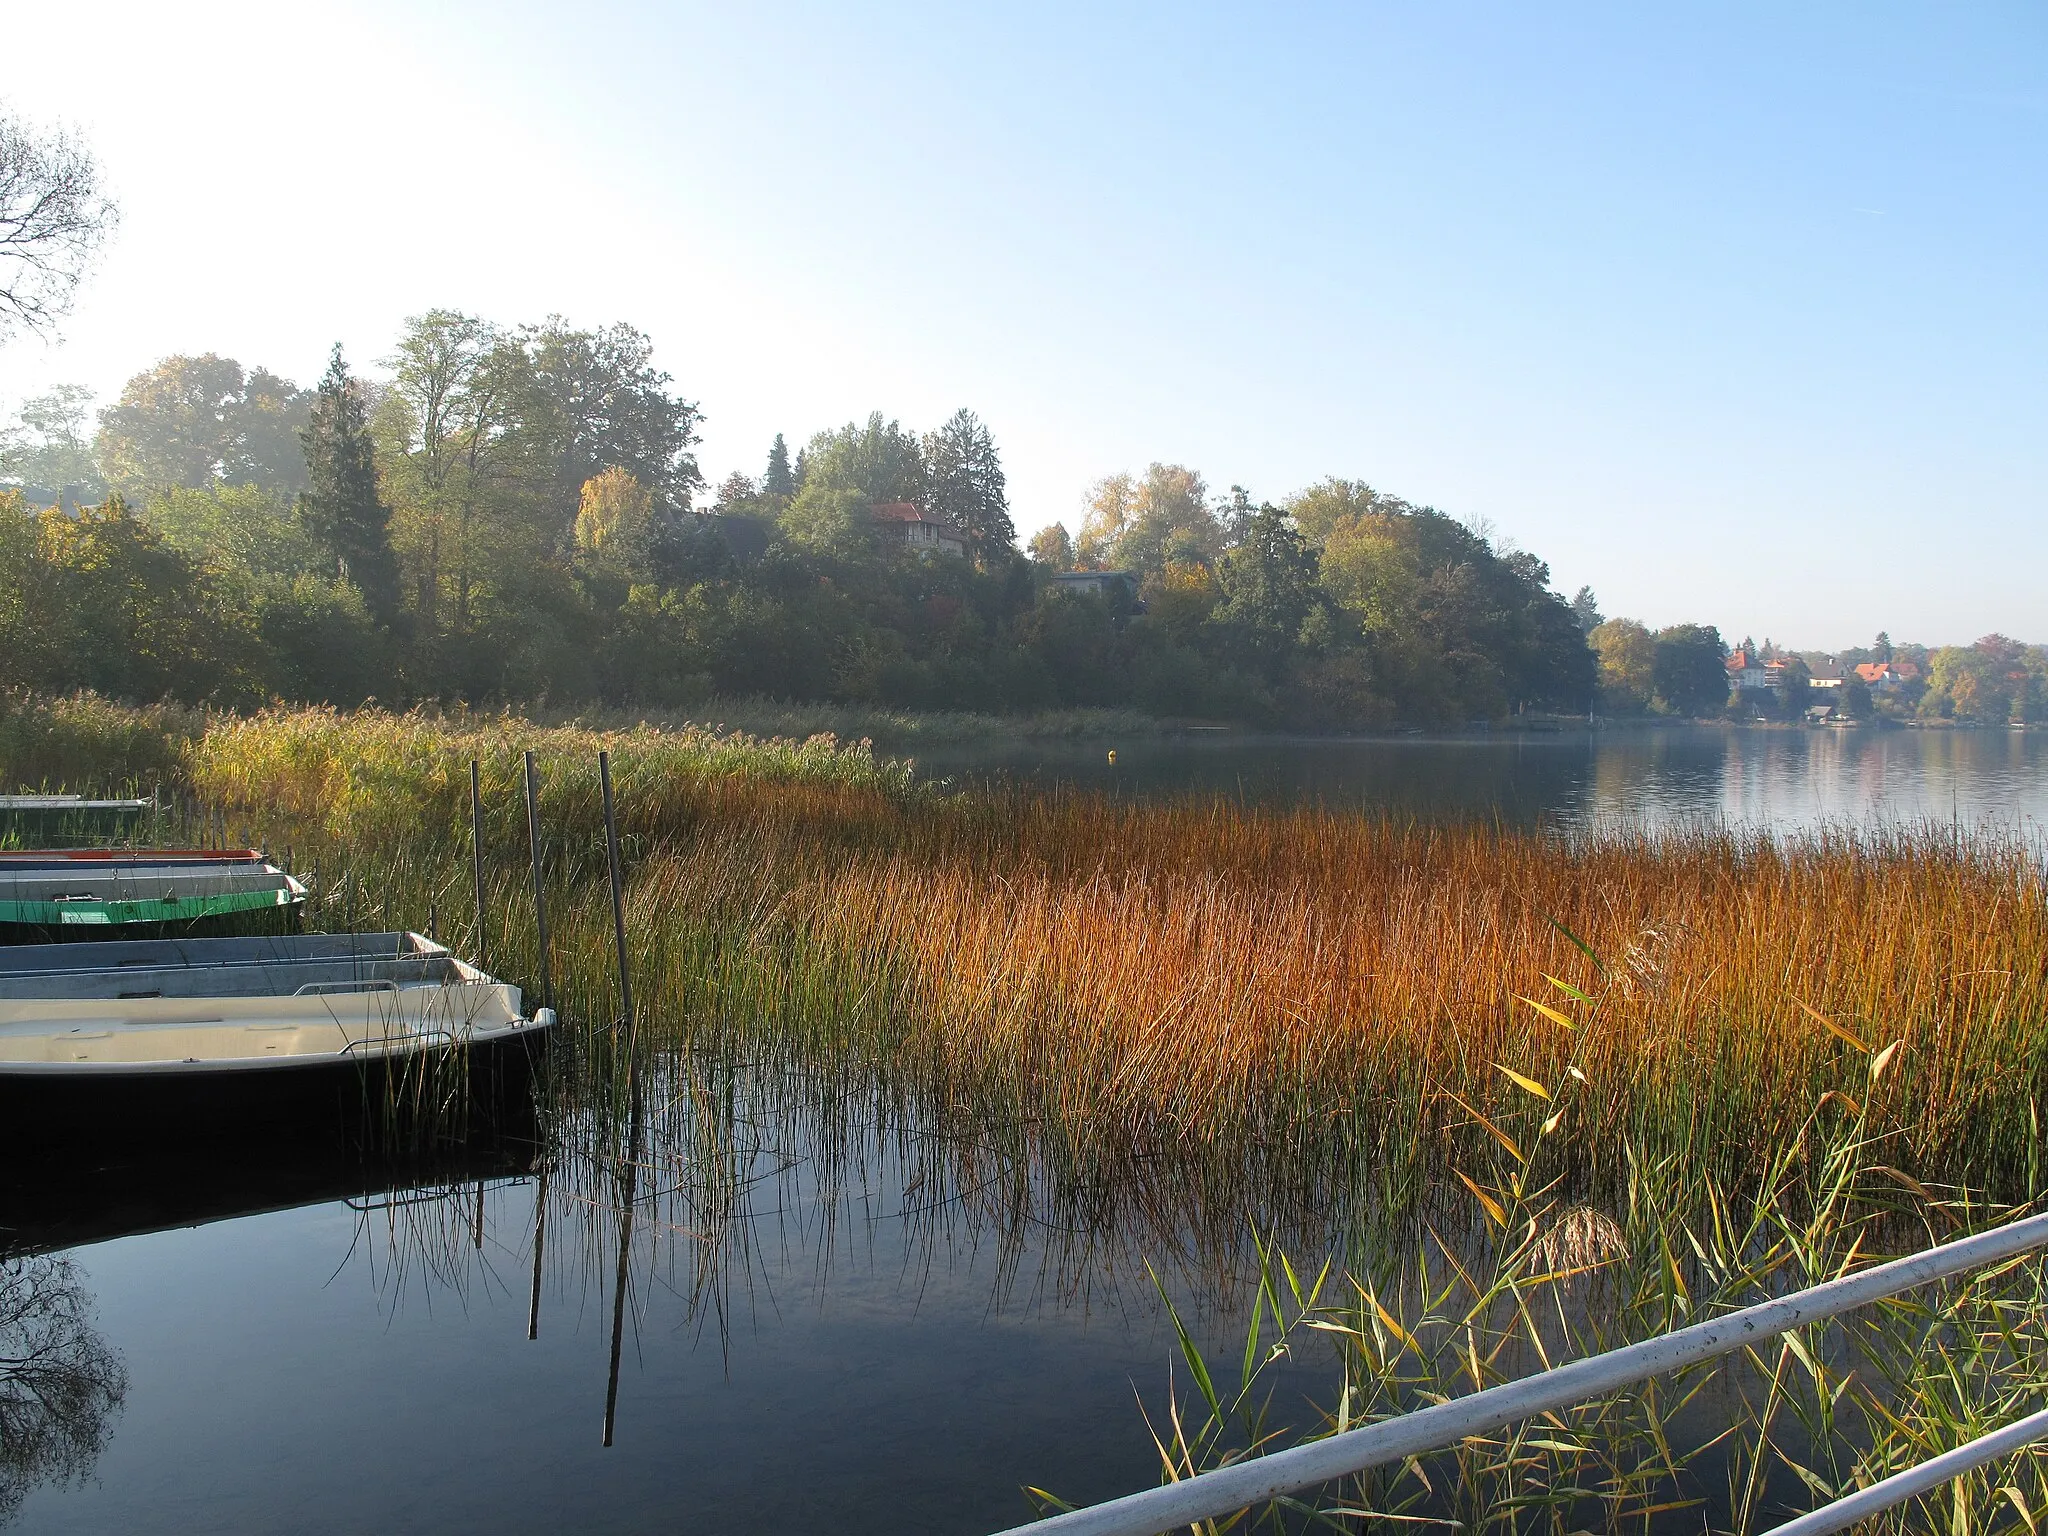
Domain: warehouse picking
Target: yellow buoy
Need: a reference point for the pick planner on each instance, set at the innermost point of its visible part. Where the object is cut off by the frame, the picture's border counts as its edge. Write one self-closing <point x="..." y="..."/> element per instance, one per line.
<point x="1112" y="755"/>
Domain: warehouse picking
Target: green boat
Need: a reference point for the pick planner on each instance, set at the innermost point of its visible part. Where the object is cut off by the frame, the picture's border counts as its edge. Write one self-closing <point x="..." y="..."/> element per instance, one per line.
<point x="53" y="896"/>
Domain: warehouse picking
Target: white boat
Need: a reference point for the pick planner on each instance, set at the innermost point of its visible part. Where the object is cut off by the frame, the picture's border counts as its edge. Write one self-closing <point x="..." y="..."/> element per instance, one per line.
<point x="216" y="1034"/>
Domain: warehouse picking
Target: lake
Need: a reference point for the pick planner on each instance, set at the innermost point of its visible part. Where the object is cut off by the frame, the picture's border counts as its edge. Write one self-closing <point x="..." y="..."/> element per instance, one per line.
<point x="829" y="1313"/>
<point x="1781" y="779"/>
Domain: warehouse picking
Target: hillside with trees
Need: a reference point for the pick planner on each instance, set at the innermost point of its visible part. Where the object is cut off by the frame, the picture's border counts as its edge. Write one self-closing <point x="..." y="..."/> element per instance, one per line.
<point x="515" y="514"/>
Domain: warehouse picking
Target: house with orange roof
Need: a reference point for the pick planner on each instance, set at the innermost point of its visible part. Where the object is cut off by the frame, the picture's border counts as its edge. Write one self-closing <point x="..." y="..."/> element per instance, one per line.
<point x="905" y="523"/>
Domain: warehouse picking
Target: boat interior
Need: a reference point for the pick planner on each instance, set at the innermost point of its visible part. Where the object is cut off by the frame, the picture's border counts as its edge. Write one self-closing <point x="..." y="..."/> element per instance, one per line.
<point x="140" y="880"/>
<point x="284" y="965"/>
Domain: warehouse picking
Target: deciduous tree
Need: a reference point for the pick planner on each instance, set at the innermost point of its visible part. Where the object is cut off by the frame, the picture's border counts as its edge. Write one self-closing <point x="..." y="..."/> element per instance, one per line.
<point x="195" y="421"/>
<point x="1691" y="669"/>
<point x="55" y="214"/>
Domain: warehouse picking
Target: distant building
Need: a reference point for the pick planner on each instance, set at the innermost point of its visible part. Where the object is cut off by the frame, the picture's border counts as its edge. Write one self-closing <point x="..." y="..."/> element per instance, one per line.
<point x="904" y="522"/>
<point x="1888" y="676"/>
<point x="1745" y="671"/>
<point x="1097" y="583"/>
<point x="1825" y="673"/>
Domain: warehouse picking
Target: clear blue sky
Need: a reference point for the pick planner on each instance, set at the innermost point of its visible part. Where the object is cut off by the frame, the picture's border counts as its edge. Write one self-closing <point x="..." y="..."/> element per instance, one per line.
<point x="1734" y="312"/>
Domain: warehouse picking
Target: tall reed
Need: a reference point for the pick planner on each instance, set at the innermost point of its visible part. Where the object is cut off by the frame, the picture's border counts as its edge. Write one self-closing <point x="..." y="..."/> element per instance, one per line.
<point x="1123" y="976"/>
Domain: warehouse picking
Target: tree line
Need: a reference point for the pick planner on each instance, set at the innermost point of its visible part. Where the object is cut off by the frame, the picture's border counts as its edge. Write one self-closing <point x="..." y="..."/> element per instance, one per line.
<point x="517" y="514"/>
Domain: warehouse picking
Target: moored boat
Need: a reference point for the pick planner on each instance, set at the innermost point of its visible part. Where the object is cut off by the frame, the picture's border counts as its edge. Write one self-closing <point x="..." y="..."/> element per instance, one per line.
<point x="212" y="1038"/>
<point x="58" y="818"/>
<point x="50" y="896"/>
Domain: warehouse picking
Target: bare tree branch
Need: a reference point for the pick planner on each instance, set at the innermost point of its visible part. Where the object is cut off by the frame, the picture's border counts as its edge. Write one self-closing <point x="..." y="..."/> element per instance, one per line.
<point x="54" y="216"/>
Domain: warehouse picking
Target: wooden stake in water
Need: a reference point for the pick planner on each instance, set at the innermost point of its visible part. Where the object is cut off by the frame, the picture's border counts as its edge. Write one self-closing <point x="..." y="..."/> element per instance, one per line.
<point x="628" y="1194"/>
<point x="624" y="1026"/>
<point x="540" y="899"/>
<point x="540" y="1233"/>
<point x="476" y="851"/>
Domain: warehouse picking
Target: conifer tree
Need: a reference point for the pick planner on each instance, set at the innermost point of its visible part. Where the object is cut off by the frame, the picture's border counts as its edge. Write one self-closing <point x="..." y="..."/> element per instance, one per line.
<point x="780" y="481"/>
<point x="340" y="507"/>
<point x="966" y="484"/>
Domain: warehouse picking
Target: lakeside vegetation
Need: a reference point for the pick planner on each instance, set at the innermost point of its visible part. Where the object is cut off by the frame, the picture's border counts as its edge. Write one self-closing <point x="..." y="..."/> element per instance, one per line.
<point x="1620" y="1081"/>
<point x="1126" y="975"/>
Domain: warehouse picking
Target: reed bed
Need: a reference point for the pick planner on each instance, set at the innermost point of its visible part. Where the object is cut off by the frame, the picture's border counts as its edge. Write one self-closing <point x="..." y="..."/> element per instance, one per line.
<point x="1125" y="977"/>
<point x="1623" y="1079"/>
<point x="86" y="744"/>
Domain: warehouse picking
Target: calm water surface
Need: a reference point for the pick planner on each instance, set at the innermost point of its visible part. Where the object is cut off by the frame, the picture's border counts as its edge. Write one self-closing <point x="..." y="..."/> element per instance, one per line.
<point x="1775" y="778"/>
<point x="832" y="1318"/>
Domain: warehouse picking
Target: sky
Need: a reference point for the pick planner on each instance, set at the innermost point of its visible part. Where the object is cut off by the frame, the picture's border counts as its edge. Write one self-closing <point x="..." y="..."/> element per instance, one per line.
<point x="1735" y="313"/>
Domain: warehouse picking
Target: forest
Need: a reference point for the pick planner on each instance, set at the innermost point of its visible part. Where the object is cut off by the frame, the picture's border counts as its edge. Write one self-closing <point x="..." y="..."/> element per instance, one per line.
<point x="516" y="515"/>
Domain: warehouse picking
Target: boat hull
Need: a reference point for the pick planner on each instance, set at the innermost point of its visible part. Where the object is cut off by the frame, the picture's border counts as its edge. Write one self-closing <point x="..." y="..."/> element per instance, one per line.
<point x="415" y="1099"/>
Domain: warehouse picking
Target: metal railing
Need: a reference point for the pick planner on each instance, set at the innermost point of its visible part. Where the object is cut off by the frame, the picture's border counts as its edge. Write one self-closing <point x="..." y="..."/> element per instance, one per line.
<point x="1210" y="1495"/>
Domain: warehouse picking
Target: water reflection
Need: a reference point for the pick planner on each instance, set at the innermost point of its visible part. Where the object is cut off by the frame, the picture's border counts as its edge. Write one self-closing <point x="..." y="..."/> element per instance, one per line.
<point x="1752" y="777"/>
<point x="630" y="1322"/>
<point x="61" y="1386"/>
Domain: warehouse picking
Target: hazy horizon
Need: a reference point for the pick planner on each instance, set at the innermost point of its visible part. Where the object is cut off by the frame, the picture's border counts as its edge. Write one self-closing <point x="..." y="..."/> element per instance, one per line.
<point x="1734" y="318"/>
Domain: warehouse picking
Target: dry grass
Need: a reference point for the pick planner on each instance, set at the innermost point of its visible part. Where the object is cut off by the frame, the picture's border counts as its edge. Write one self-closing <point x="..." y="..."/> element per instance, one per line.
<point x="1203" y="972"/>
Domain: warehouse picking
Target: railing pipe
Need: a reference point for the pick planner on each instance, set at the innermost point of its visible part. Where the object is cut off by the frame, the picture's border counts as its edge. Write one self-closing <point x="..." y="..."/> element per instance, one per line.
<point x="1210" y="1495"/>
<point x="1925" y="1478"/>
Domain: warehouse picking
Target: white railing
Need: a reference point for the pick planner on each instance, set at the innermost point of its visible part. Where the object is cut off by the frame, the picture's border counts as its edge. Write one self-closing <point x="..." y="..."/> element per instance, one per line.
<point x="1261" y="1479"/>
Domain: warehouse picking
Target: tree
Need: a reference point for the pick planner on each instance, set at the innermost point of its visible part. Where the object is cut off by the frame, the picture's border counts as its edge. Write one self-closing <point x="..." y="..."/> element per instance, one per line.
<point x="1853" y="699"/>
<point x="50" y="447"/>
<point x="965" y="484"/>
<point x="780" y="481"/>
<point x="1234" y="514"/>
<point x="736" y="494"/>
<point x="340" y="507"/>
<point x="240" y="528"/>
<point x="1052" y="548"/>
<point x="1586" y="609"/>
<point x="1459" y="630"/>
<point x="614" y="518"/>
<point x="1268" y="589"/>
<point x="195" y="421"/>
<point x="1628" y="665"/>
<point x="1318" y="510"/>
<point x="54" y="216"/>
<point x="588" y="401"/>
<point x="99" y="600"/>
<point x="1146" y="524"/>
<point x="875" y="458"/>
<point x="1691" y="669"/>
<point x="441" y="428"/>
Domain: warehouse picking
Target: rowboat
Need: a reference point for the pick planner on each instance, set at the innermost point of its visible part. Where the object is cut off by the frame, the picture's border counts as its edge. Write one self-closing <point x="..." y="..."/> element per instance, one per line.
<point x="55" y="895"/>
<point x="211" y="1038"/>
<point x="49" y="818"/>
